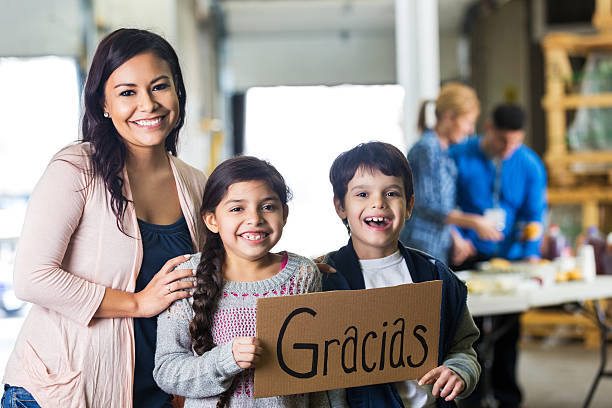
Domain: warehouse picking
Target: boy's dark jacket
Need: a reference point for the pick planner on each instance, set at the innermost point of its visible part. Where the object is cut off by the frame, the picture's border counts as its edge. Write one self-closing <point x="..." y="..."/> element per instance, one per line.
<point x="422" y="268"/>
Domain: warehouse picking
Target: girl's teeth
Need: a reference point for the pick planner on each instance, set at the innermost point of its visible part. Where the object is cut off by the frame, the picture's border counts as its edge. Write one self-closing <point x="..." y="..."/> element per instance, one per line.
<point x="253" y="237"/>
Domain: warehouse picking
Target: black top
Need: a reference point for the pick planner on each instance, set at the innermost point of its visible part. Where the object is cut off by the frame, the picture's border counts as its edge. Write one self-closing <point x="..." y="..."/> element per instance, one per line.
<point x="160" y="243"/>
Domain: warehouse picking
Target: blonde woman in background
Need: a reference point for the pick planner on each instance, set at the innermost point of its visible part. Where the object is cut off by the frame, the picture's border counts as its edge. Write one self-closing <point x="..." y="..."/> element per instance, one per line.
<point x="430" y="228"/>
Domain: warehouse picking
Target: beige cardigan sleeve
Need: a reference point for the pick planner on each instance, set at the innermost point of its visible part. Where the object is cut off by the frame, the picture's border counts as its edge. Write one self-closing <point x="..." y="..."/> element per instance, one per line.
<point x="54" y="212"/>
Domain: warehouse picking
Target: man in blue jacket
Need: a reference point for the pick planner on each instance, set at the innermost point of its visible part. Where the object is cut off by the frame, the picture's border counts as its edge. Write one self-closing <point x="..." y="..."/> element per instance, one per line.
<point x="504" y="180"/>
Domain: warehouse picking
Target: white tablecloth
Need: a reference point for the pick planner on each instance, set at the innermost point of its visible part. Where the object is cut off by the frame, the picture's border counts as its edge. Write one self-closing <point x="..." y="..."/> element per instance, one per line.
<point x="524" y="298"/>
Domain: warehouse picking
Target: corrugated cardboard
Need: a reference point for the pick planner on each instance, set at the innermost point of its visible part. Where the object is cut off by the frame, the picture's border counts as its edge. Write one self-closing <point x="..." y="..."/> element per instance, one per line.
<point x="339" y="339"/>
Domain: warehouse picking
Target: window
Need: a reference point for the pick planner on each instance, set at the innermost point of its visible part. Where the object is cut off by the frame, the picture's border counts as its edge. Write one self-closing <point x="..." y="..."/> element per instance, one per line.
<point x="301" y="130"/>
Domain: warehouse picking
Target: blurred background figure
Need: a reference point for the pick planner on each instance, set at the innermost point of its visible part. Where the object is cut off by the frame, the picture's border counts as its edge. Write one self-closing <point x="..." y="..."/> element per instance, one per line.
<point x="430" y="227"/>
<point x="505" y="181"/>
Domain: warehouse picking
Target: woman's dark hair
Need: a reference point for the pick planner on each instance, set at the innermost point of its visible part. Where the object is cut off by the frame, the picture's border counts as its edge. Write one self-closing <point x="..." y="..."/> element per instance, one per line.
<point x="108" y="148"/>
<point x="209" y="272"/>
<point x="381" y="156"/>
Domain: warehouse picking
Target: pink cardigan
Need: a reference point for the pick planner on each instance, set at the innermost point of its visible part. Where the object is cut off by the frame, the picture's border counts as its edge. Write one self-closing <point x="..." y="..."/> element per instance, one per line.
<point x="70" y="250"/>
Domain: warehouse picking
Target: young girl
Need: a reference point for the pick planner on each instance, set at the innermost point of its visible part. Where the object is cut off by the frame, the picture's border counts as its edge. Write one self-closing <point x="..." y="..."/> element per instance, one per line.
<point x="206" y="349"/>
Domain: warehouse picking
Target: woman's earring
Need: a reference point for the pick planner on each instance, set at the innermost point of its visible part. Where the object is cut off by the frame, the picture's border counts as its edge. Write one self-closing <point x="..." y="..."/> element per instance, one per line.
<point x="106" y="115"/>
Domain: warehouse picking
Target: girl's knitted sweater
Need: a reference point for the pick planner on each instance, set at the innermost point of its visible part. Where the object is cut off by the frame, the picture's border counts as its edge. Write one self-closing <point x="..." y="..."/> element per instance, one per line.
<point x="178" y="370"/>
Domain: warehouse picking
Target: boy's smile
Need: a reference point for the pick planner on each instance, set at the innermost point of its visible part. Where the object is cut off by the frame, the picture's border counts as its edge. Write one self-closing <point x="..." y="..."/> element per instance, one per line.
<point x="376" y="209"/>
<point x="380" y="223"/>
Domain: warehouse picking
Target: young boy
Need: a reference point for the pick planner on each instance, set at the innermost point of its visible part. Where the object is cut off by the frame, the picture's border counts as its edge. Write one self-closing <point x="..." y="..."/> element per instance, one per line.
<point x="373" y="195"/>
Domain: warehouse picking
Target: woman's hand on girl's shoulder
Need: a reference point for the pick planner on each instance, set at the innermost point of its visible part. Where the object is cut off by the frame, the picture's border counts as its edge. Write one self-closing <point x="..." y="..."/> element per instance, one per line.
<point x="166" y="287"/>
<point x="246" y="351"/>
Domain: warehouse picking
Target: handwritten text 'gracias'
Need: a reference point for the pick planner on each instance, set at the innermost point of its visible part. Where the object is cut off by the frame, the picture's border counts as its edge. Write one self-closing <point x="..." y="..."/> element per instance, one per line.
<point x="391" y="347"/>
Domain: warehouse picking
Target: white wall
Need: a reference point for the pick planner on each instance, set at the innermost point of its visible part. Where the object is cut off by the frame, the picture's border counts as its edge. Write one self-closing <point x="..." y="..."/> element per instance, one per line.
<point x="308" y="43"/>
<point x="159" y="16"/>
<point x="449" y="68"/>
<point x="200" y="83"/>
<point x="290" y="42"/>
<point x="500" y="59"/>
<point x="310" y="60"/>
<point x="418" y="59"/>
<point x="40" y="27"/>
<point x="59" y="27"/>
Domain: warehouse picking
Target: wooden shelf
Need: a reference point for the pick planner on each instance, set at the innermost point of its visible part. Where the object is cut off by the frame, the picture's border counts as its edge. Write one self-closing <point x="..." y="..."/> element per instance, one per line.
<point x="588" y="198"/>
<point x="579" y="195"/>
<point x="574" y="101"/>
<point x="577" y="44"/>
<point x="566" y="186"/>
<point x="581" y="157"/>
<point x="557" y="100"/>
<point x="546" y="323"/>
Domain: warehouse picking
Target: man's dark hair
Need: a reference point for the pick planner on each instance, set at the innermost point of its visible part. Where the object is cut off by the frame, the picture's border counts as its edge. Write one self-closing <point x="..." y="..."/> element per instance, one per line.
<point x="508" y="116"/>
<point x="373" y="156"/>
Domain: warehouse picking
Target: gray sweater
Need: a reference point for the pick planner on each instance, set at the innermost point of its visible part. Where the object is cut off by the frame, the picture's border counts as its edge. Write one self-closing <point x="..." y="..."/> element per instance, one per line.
<point x="178" y="370"/>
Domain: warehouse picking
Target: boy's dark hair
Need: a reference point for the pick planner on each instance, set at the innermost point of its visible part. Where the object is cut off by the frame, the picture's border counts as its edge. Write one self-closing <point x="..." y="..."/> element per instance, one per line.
<point x="373" y="156"/>
<point x="508" y="116"/>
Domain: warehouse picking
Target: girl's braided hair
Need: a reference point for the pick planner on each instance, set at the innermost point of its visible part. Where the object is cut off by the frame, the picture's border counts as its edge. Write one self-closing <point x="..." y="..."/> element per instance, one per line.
<point x="209" y="273"/>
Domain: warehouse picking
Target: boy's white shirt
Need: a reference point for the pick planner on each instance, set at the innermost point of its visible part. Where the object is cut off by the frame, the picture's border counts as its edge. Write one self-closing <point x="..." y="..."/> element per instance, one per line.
<point x="392" y="270"/>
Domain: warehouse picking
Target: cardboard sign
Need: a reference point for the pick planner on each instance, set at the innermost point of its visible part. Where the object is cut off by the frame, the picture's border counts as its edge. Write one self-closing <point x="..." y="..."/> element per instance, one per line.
<point x="329" y="340"/>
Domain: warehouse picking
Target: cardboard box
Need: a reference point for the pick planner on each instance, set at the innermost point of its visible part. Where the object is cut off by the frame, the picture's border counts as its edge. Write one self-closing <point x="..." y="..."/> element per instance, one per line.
<point x="329" y="340"/>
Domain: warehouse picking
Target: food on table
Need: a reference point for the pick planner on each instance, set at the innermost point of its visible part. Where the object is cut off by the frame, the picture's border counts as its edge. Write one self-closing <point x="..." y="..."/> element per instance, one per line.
<point x="496" y="284"/>
<point x="476" y="286"/>
<point x="570" y="275"/>
<point x="499" y="263"/>
<point x="561" y="277"/>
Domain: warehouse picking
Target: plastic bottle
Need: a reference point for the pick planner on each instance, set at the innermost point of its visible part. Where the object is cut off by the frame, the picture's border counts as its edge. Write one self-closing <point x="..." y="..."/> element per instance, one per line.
<point x="585" y="261"/>
<point x="555" y="243"/>
<point x="596" y="239"/>
<point x="607" y="257"/>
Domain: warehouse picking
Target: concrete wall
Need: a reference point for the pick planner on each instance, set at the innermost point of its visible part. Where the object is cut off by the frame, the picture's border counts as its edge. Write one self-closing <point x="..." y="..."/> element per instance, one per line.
<point x="500" y="59"/>
<point x="308" y="43"/>
<point x="293" y="42"/>
<point x="448" y="56"/>
<point x="159" y="16"/>
<point x="30" y="28"/>
<point x="69" y="28"/>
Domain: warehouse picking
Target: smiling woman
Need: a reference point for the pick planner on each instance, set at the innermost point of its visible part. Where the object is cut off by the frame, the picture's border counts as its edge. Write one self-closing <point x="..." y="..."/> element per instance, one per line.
<point x="141" y="100"/>
<point x="124" y="211"/>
